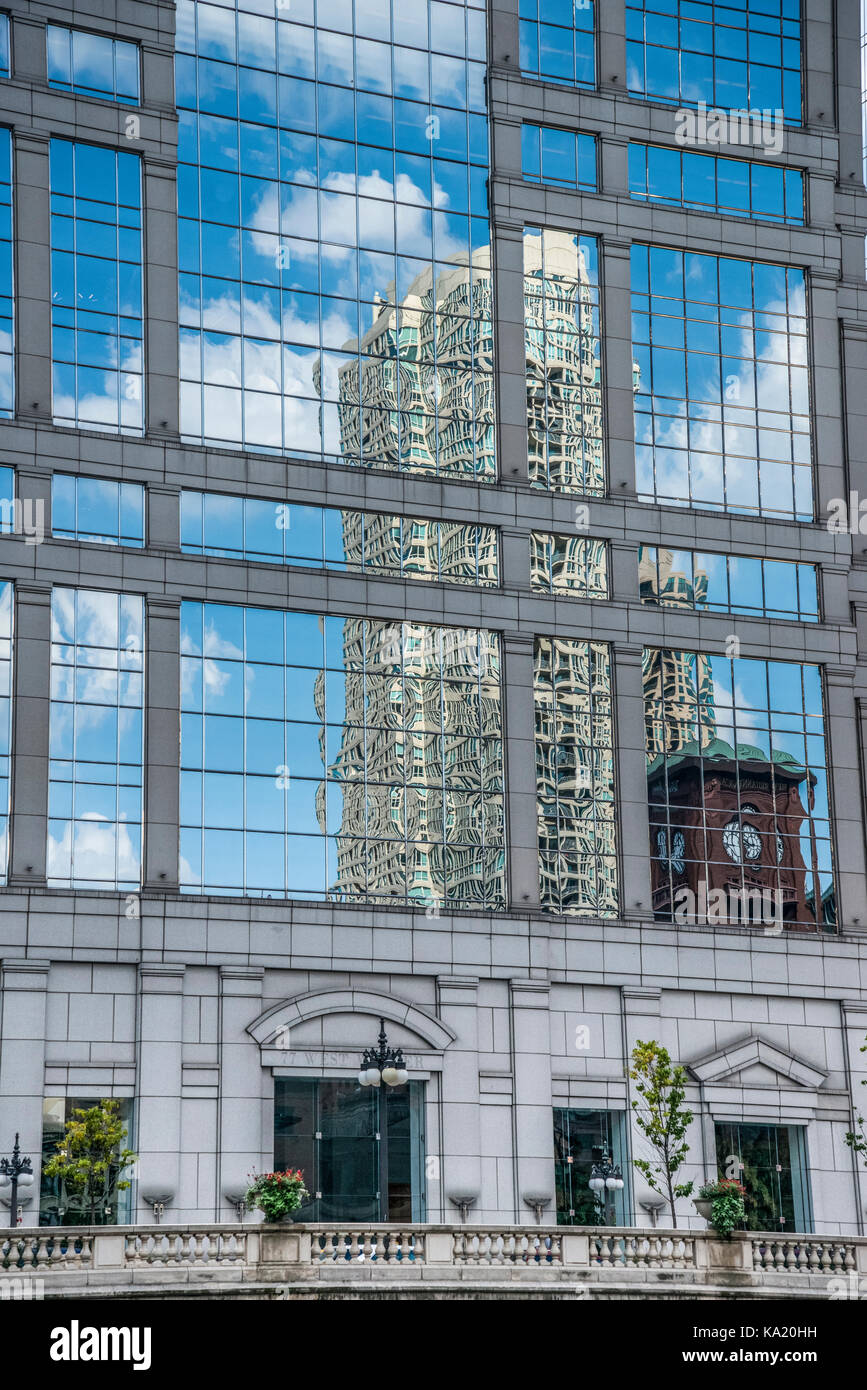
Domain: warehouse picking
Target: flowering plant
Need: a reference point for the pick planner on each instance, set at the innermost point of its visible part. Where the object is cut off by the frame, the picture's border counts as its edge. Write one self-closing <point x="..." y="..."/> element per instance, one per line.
<point x="276" y="1194"/>
<point x="726" y="1196"/>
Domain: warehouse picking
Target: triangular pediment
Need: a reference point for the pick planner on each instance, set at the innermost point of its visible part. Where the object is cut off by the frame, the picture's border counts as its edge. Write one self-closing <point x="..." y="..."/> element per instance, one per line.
<point x="755" y="1062"/>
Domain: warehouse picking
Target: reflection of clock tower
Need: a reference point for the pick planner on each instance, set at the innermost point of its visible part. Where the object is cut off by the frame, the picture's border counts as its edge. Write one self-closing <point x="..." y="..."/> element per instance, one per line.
<point x="730" y="822"/>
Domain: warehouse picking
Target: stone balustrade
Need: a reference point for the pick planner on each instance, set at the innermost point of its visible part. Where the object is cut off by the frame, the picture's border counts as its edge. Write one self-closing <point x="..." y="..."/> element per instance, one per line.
<point x="262" y="1261"/>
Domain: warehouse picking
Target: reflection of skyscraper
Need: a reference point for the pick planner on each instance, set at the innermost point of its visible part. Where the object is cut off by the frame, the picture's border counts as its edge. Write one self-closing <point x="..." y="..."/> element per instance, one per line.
<point x="419" y="764"/>
<point x="420" y="396"/>
<point x="659" y="582"/>
<point x="564" y="388"/>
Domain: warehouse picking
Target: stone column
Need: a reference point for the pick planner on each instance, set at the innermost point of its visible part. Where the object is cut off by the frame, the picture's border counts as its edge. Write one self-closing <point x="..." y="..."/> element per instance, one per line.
<point x="511" y="356"/>
<point x="534" y="1110"/>
<point x="504" y="34"/>
<point x="844" y="775"/>
<point x="514" y="557"/>
<point x="854" y="1012"/>
<point x="631" y="782"/>
<point x="162" y="743"/>
<point x="163" y="517"/>
<point x="616" y="319"/>
<point x="243" y="1145"/>
<point x="611" y="45"/>
<point x="28" y="49"/>
<point x="31" y="706"/>
<point x="160" y="1052"/>
<point x="819" y="64"/>
<point x="623" y="581"/>
<point x="32" y="222"/>
<point x="161" y="296"/>
<point x="33" y="492"/>
<point x="461" y="1118"/>
<point x="22" y="1066"/>
<point x="520" y="751"/>
<point x="615" y="164"/>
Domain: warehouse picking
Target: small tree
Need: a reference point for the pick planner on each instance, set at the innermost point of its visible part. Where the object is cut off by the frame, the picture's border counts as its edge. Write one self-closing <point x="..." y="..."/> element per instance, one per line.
<point x="857" y="1138"/>
<point x="663" y="1119"/>
<point x="90" y="1160"/>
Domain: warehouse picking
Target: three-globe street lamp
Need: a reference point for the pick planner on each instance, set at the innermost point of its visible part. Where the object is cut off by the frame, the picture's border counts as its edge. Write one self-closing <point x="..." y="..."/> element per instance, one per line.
<point x="605" y="1177"/>
<point x="383" y="1063"/>
<point x="17" y="1171"/>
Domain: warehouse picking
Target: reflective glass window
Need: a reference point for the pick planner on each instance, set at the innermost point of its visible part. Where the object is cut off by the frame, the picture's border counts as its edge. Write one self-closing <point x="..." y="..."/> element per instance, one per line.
<point x="737" y="787"/>
<point x="93" y="64"/>
<point x="564" y="157"/>
<point x="5" y="64"/>
<point x="557" y="41"/>
<point x="335" y="278"/>
<point x="96" y="287"/>
<point x="772" y="1164"/>
<point x="295" y="534"/>
<point x="97" y="509"/>
<point x="722" y="390"/>
<point x="708" y="183"/>
<point x="573" y="565"/>
<point x="340" y="759"/>
<point x="7" y="360"/>
<point x="6" y="617"/>
<point x="575" y="777"/>
<point x="564" y="365"/>
<point x="751" y="586"/>
<point x="96" y="740"/>
<point x="581" y="1139"/>
<point x="742" y="55"/>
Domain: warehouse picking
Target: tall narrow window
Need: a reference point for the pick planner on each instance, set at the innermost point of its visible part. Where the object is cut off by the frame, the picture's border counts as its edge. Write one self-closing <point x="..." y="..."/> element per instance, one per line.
<point x="564" y="383"/>
<point x="722" y="392"/>
<point x="96" y="287"/>
<point x="575" y="777"/>
<point x="7" y="354"/>
<point x="96" y="739"/>
<point x="557" y="41"/>
<point x="335" y="271"/>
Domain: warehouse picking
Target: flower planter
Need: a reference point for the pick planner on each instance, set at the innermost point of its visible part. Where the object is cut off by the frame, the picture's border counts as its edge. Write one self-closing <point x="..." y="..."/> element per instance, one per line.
<point x="703" y="1206"/>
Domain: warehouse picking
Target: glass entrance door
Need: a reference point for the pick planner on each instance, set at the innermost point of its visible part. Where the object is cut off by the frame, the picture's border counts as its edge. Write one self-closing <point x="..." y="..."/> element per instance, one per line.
<point x="771" y="1162"/>
<point x="360" y="1149"/>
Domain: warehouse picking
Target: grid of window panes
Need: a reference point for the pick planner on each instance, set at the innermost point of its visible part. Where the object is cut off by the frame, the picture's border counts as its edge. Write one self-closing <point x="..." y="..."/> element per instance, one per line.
<point x="7" y="352"/>
<point x="96" y="739"/>
<point x="742" y="584"/>
<point x="96" y="287"/>
<point x="740" y="829"/>
<point x="557" y="41"/>
<point x="97" y="510"/>
<point x="345" y="759"/>
<point x="581" y="1137"/>
<point x="575" y="777"/>
<point x="575" y="565"/>
<point x="93" y="64"/>
<point x="564" y="375"/>
<point x="247" y="528"/>
<point x="709" y="183"/>
<point x="550" y="155"/>
<point x="742" y="55"/>
<point x="5" y="64"/>
<point x="6" y="618"/>
<point x="722" y="401"/>
<point x="335" y="287"/>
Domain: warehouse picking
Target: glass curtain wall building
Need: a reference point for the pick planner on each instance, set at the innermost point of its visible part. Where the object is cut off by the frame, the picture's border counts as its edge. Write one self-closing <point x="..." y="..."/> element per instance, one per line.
<point x="432" y="599"/>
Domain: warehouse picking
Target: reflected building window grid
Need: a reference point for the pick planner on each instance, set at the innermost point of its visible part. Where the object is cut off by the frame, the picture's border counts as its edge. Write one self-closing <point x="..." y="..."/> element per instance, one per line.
<point x="331" y="538"/>
<point x="738" y="791"/>
<point x="563" y="355"/>
<point x="709" y="183"/>
<point x="575" y="777"/>
<point x="7" y="332"/>
<point x="96" y="740"/>
<point x="574" y="565"/>
<point x="97" y="510"/>
<point x="738" y="56"/>
<point x="96" y="288"/>
<point x="92" y="64"/>
<point x="340" y="759"/>
<point x="335" y="285"/>
<point x="745" y="585"/>
<point x="722" y="392"/>
<point x="557" y="42"/>
<point x="564" y="157"/>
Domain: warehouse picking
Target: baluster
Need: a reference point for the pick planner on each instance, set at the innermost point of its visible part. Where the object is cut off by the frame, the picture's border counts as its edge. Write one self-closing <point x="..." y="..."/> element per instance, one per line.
<point x="40" y="1258"/>
<point x="849" y="1257"/>
<point x="353" y="1245"/>
<point x="826" y="1259"/>
<point x="791" y="1257"/>
<point x="779" y="1254"/>
<point x="379" y="1248"/>
<point x="55" y="1259"/>
<point x="556" y="1251"/>
<point x="812" y="1258"/>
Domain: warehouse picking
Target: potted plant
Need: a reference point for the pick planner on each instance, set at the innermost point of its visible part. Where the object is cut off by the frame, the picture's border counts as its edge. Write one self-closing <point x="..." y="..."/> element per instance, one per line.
<point x="721" y="1203"/>
<point x="277" y="1195"/>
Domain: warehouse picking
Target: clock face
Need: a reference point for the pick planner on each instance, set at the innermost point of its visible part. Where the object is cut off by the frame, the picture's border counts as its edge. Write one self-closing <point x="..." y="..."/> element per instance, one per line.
<point x="742" y="840"/>
<point x="779" y="848"/>
<point x="678" y="850"/>
<point x="732" y="841"/>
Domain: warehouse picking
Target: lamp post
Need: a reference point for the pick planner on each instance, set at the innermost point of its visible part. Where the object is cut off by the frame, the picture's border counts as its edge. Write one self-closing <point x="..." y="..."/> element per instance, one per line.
<point x="13" y="1169"/>
<point x="379" y="1064"/>
<point x="605" y="1177"/>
